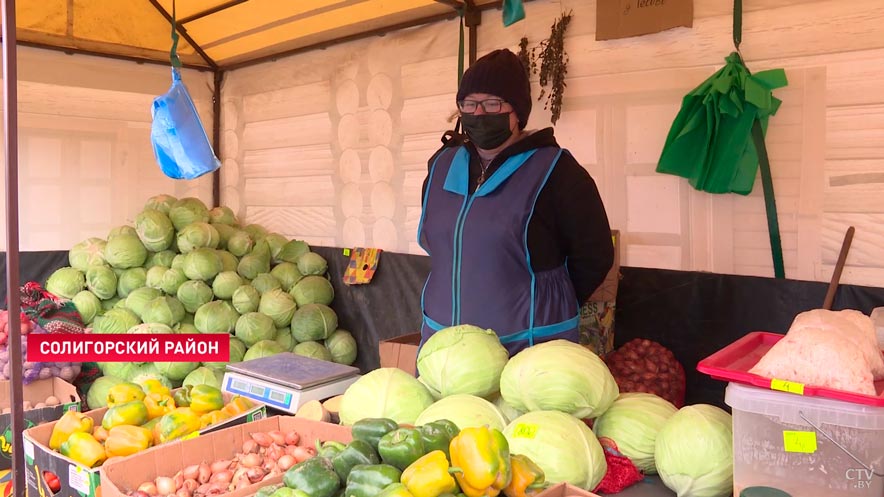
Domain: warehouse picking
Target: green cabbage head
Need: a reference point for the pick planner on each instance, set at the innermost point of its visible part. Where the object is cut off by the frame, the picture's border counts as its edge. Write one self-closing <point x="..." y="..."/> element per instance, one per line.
<point x="89" y="252"/>
<point x="632" y="423"/>
<point x="462" y="359"/>
<point x="88" y="305"/>
<point x="66" y="282"/>
<point x="694" y="452"/>
<point x="154" y="229"/>
<point x="385" y="393"/>
<point x="312" y="349"/>
<point x="125" y="251"/>
<point x="466" y="411"/>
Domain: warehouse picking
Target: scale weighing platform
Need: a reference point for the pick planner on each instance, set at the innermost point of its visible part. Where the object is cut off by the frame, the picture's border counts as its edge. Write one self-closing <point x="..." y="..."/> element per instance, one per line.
<point x="287" y="381"/>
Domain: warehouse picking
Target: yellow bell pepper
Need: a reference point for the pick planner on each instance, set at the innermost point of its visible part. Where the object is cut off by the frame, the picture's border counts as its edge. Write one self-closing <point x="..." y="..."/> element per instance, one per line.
<point x="429" y="476"/>
<point x="205" y="398"/>
<point x="158" y="405"/>
<point x="482" y="454"/>
<point x="71" y="422"/>
<point x="83" y="448"/>
<point x="213" y="417"/>
<point x="131" y="413"/>
<point x="528" y="478"/>
<point x="237" y="406"/>
<point x="126" y="440"/>
<point x="124" y="392"/>
<point x="178" y="423"/>
<point x="154" y="386"/>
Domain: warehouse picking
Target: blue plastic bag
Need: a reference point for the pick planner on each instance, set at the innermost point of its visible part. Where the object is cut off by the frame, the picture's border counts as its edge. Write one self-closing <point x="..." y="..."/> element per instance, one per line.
<point x="179" y="140"/>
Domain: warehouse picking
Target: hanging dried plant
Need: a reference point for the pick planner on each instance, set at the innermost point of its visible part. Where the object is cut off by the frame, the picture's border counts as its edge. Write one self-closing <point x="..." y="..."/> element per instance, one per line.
<point x="524" y="56"/>
<point x="553" y="65"/>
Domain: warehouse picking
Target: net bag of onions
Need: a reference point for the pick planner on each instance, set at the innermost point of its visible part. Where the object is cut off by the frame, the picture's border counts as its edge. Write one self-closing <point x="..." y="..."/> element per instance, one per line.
<point x="646" y="366"/>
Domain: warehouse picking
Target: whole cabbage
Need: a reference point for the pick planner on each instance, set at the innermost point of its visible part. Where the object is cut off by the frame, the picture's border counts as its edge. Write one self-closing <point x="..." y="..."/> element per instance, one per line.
<point x="276" y="243"/>
<point x="632" y="423"/>
<point x="312" y="349"/>
<point x="172" y="281"/>
<point x="162" y="203"/>
<point x="229" y="262"/>
<point x="313" y="322"/>
<point x="462" y="359"/>
<point x="251" y="265"/>
<point x="264" y="348"/>
<point x="694" y="452"/>
<point x="197" y="235"/>
<point x="122" y="370"/>
<point x="254" y="327"/>
<point x="164" y="258"/>
<point x="193" y="294"/>
<point x="240" y="243"/>
<point x="561" y="376"/>
<point x="154" y="277"/>
<point x="256" y="231"/>
<point x="89" y="252"/>
<point x="148" y="371"/>
<point x="125" y="251"/>
<point x="385" y="393"/>
<point x="131" y="279"/>
<point x="562" y="445"/>
<point x="466" y="411"/>
<point x="265" y="282"/>
<point x="109" y="304"/>
<point x="96" y="397"/>
<point x="121" y="230"/>
<point x="287" y="274"/>
<point x="115" y="321"/>
<point x="204" y="376"/>
<point x="102" y="281"/>
<point x="225" y="231"/>
<point x="292" y="250"/>
<point x="342" y="347"/>
<point x="246" y="299"/>
<point x="280" y="306"/>
<point x="154" y="229"/>
<point x="222" y="215"/>
<point x="178" y="261"/>
<point x="164" y="310"/>
<point x="138" y="299"/>
<point x="237" y="351"/>
<point x="313" y="290"/>
<point x="312" y="263"/>
<point x="225" y="284"/>
<point x="176" y="371"/>
<point x="202" y="264"/>
<point x="187" y="328"/>
<point x="217" y="316"/>
<point x="88" y="305"/>
<point x="150" y="329"/>
<point x="284" y="338"/>
<point x="188" y="210"/>
<point x="66" y="282"/>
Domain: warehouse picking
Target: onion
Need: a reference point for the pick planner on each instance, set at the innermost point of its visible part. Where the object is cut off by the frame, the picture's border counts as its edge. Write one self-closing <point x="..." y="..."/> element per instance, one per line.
<point x="252" y="460"/>
<point x="191" y="472"/>
<point x="269" y="465"/>
<point x="222" y="477"/>
<point x="292" y="438"/>
<point x="191" y="485"/>
<point x="242" y="484"/>
<point x="277" y="436"/>
<point x="183" y="492"/>
<point x="205" y="472"/>
<point x="148" y="487"/>
<point x="262" y="439"/>
<point x="166" y="486"/>
<point x="285" y="462"/>
<point x="219" y="466"/>
<point x="203" y="489"/>
<point x="249" y="447"/>
<point x="178" y="479"/>
<point x="255" y="474"/>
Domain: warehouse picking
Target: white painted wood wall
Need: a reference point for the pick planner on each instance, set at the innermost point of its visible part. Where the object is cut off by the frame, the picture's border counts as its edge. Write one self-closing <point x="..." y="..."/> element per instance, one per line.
<point x="331" y="146"/>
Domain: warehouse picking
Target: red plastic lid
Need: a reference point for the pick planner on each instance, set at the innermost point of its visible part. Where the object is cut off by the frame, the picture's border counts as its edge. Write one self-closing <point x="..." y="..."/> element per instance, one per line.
<point x="733" y="363"/>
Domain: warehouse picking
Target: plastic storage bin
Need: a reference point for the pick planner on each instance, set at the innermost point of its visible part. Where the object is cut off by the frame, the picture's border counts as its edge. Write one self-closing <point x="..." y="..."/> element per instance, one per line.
<point x="762" y="418"/>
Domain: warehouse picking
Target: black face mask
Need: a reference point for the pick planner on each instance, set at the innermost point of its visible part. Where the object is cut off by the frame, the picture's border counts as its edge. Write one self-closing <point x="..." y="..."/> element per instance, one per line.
<point x="487" y="131"/>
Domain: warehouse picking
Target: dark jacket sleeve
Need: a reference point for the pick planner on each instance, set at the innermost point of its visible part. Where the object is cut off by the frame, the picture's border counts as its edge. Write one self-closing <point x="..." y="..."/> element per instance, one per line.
<point x="582" y="226"/>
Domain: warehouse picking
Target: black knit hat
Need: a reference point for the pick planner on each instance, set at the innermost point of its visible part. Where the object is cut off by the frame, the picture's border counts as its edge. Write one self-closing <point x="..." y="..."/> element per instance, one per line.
<point x="500" y="73"/>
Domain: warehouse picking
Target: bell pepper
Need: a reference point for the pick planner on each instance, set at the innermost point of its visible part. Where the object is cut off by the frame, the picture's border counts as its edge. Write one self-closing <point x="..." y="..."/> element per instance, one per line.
<point x="71" y="422"/>
<point x="213" y="417"/>
<point x="153" y="385"/>
<point x="182" y="396"/>
<point x="158" y="405"/>
<point x="395" y="490"/>
<point x="131" y="413"/>
<point x="315" y="476"/>
<point x="368" y="480"/>
<point x="437" y="435"/>
<point x="356" y="453"/>
<point x="205" y="398"/>
<point x="237" y="406"/>
<point x="122" y="393"/>
<point x="372" y="429"/>
<point x="527" y="477"/>
<point x="100" y="433"/>
<point x="83" y="448"/>
<point x="126" y="440"/>
<point x="401" y="447"/>
<point x="430" y="476"/>
<point x="329" y="449"/>
<point x="483" y="456"/>
<point x="178" y="423"/>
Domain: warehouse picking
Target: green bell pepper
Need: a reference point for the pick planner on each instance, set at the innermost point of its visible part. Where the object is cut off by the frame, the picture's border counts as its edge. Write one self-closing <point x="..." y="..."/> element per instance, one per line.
<point x="131" y="413"/>
<point x="437" y="435"/>
<point x="182" y="396"/>
<point x="329" y="449"/>
<point x="372" y="429"/>
<point x="205" y="398"/>
<point x="315" y="476"/>
<point x="358" y="452"/>
<point x="402" y="447"/>
<point x="368" y="480"/>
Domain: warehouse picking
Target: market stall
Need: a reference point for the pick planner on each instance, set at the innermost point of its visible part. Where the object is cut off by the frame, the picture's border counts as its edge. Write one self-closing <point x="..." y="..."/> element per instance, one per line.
<point x="556" y="419"/>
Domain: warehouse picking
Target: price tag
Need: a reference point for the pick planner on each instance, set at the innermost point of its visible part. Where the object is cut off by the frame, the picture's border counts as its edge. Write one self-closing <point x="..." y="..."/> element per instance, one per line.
<point x="787" y="386"/>
<point x="346" y="252"/>
<point x="803" y="442"/>
<point x="525" y="430"/>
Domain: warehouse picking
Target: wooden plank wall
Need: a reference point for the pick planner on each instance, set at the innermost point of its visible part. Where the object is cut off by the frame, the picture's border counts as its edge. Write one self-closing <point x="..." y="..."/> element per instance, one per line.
<point x="331" y="146"/>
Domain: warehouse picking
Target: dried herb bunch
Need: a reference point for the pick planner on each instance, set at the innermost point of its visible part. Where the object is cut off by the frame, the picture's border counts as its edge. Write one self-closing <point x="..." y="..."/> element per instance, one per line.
<point x="553" y="65"/>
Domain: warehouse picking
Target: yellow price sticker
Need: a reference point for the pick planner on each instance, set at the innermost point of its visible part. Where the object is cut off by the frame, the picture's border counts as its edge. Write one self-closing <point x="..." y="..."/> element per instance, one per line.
<point x="347" y="252"/>
<point x="803" y="442"/>
<point x="525" y="430"/>
<point x="787" y="386"/>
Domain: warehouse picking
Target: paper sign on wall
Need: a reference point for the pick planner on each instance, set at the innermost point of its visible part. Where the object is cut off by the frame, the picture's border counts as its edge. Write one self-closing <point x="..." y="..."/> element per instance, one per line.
<point x="626" y="18"/>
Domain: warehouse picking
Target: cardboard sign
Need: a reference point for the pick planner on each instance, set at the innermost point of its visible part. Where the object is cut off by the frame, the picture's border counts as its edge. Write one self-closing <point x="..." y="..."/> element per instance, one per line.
<point x="626" y="18"/>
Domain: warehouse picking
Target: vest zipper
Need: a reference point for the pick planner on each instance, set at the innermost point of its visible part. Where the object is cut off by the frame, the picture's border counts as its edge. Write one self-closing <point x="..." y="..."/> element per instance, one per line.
<point x="458" y="256"/>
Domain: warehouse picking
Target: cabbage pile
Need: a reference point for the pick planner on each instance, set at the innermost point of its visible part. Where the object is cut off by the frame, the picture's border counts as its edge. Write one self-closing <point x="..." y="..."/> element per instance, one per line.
<point x="185" y="268"/>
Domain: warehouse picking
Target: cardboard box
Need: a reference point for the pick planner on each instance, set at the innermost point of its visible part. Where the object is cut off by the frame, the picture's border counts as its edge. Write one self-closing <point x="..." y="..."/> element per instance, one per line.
<point x="34" y="393"/>
<point x="565" y="490"/>
<point x="77" y="479"/>
<point x="124" y="475"/>
<point x="400" y="352"/>
<point x="627" y="18"/>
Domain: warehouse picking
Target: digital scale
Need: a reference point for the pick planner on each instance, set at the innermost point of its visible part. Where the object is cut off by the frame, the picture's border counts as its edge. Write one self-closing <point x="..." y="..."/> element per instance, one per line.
<point x="287" y="381"/>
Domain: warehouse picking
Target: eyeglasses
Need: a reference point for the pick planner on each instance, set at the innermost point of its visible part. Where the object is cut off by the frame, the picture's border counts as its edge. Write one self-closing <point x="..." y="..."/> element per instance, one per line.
<point x="490" y="106"/>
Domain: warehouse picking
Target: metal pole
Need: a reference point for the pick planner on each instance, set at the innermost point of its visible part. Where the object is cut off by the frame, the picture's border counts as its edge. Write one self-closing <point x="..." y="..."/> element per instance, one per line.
<point x="10" y="128"/>
<point x="216" y="135"/>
